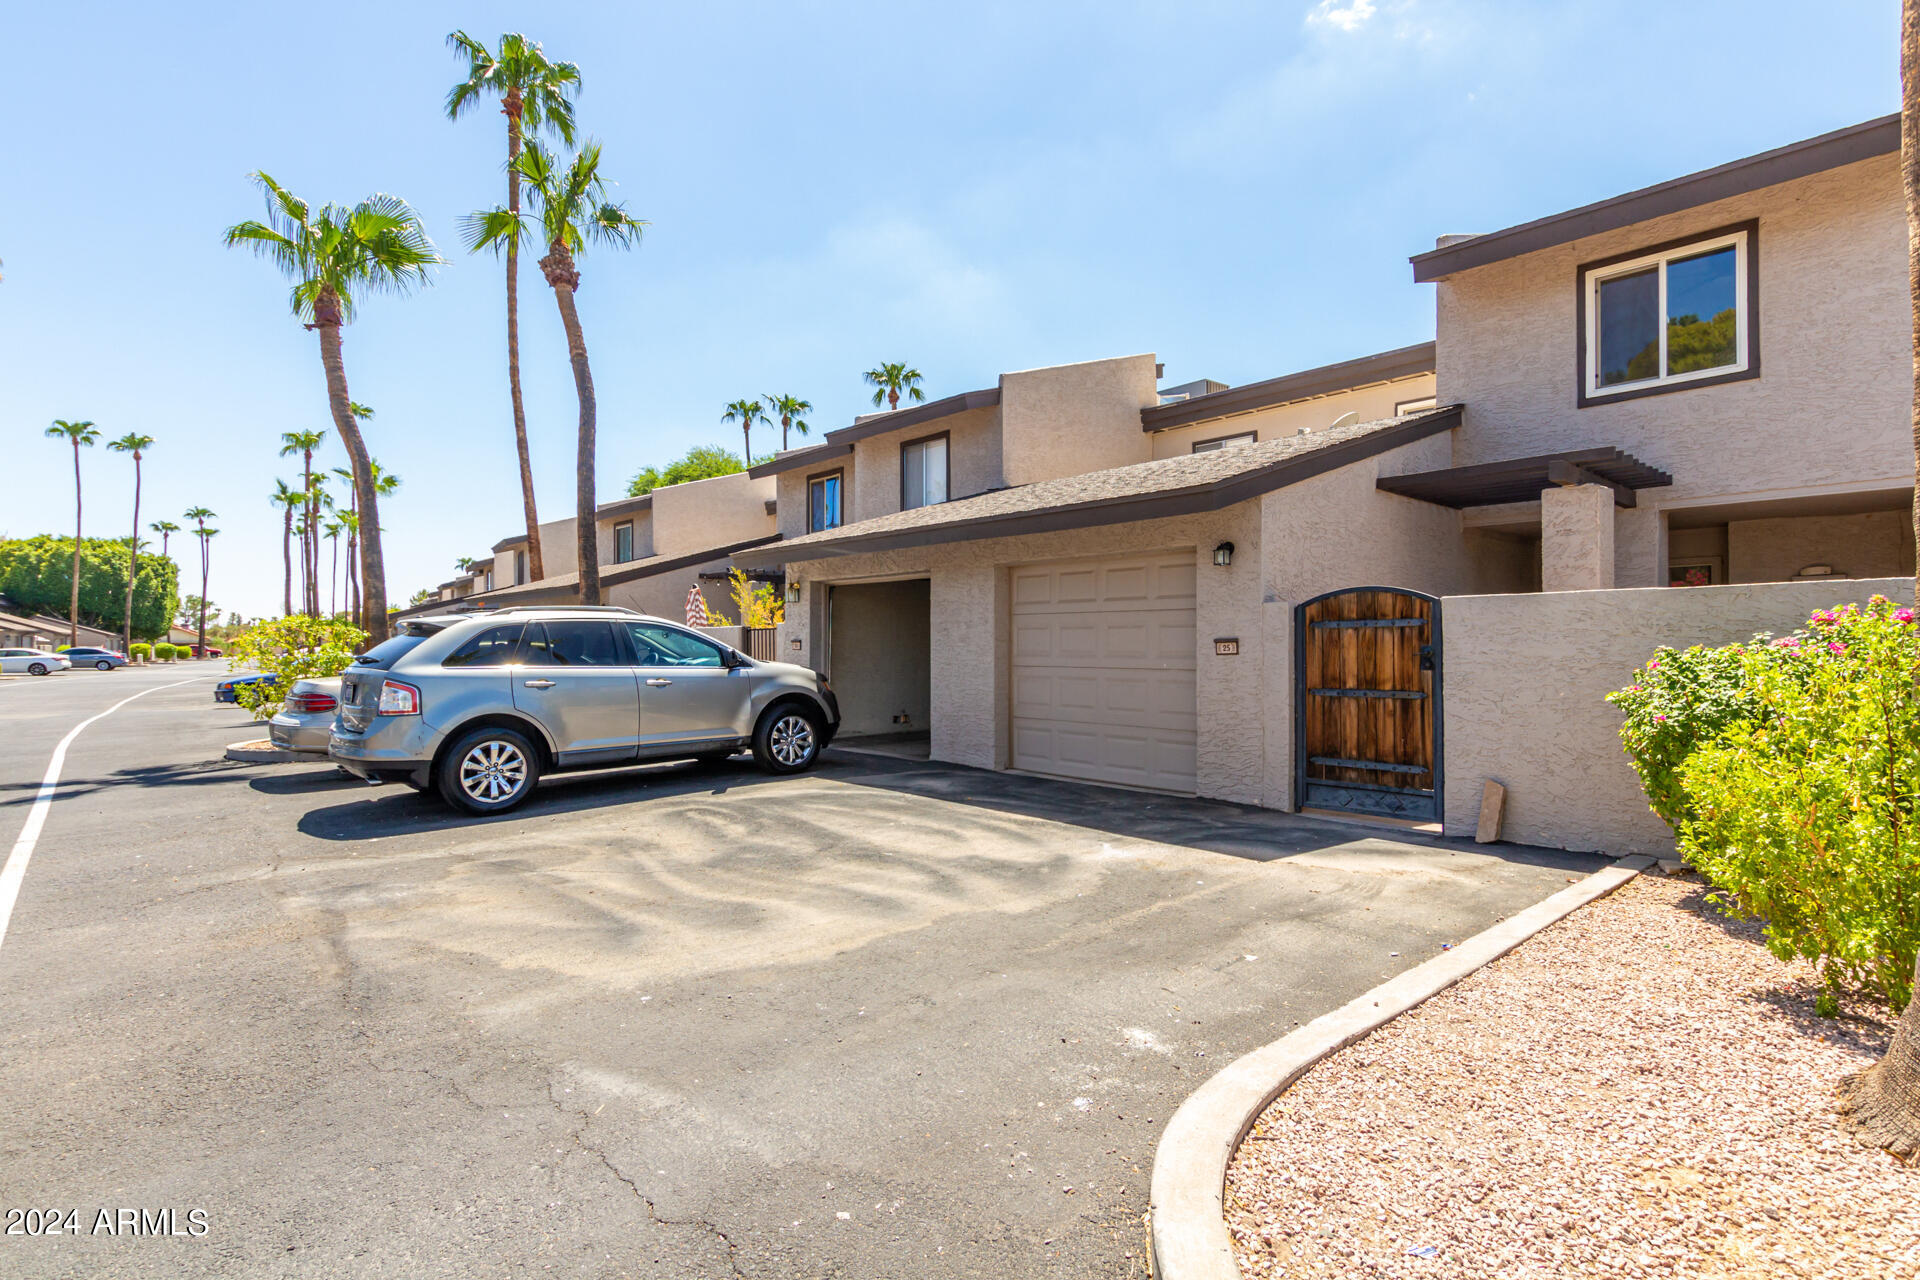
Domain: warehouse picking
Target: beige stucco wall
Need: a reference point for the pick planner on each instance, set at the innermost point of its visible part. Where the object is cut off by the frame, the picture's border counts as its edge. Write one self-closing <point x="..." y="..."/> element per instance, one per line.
<point x="1576" y="538"/>
<point x="881" y="643"/>
<point x="872" y="484"/>
<point x="664" y="595"/>
<point x="711" y="513"/>
<point x="1830" y="409"/>
<point x="1525" y="678"/>
<point x="1872" y="544"/>
<point x="1074" y="418"/>
<point x="1371" y="403"/>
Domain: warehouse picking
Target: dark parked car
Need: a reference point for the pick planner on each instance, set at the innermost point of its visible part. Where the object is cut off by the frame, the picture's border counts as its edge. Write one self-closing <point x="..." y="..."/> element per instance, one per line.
<point x="103" y="659"/>
<point x="223" y="690"/>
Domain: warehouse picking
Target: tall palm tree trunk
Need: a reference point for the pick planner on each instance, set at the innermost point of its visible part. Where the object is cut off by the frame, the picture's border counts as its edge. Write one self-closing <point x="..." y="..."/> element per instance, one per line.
<point x="310" y="542"/>
<point x="333" y="576"/>
<point x="565" y="278"/>
<point x="286" y="560"/>
<point x="133" y="561"/>
<point x="73" y="606"/>
<point x="373" y="611"/>
<point x="205" y="557"/>
<point x="536" y="563"/>
<point x="1881" y="1105"/>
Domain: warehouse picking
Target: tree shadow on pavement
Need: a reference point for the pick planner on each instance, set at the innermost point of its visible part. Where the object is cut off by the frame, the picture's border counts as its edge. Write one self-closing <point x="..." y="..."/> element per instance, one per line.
<point x="199" y="773"/>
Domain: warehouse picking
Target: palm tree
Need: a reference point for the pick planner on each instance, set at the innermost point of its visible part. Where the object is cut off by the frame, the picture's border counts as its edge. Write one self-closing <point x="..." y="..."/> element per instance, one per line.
<point x="570" y="209"/>
<point x="746" y="413"/>
<point x="78" y="433"/>
<point x="891" y="381"/>
<point x="200" y="516"/>
<point x="166" y="529"/>
<point x="135" y="444"/>
<point x="535" y="94"/>
<point x="286" y="497"/>
<point x="464" y="564"/>
<point x="1882" y="1104"/>
<point x="332" y="254"/>
<point x="789" y="409"/>
<point x="384" y="485"/>
<point x="304" y="443"/>
<point x="332" y="530"/>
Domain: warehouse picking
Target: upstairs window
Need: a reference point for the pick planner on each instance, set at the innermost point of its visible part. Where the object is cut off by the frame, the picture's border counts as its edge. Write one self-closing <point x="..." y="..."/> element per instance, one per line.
<point x="1225" y="442"/>
<point x="823" y="501"/>
<point x="519" y="567"/>
<point x="1665" y="318"/>
<point x="923" y="472"/>
<point x="623" y="542"/>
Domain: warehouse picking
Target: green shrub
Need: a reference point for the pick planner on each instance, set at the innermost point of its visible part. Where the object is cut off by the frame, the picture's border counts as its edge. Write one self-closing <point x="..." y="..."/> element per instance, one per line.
<point x="1804" y="813"/>
<point x="1681" y="700"/>
<point x="140" y="651"/>
<point x="162" y="652"/>
<point x="292" y="648"/>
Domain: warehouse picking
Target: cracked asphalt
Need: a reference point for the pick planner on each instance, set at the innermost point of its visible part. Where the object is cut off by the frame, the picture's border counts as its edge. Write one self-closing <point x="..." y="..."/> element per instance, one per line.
<point x="882" y="1020"/>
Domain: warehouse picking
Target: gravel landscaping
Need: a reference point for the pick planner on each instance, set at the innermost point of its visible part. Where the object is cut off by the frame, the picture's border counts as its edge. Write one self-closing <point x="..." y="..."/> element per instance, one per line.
<point x="1642" y="1090"/>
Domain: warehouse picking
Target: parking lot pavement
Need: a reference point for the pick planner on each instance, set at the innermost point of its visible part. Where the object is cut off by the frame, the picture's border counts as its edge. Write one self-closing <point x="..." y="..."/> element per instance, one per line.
<point x="885" y="1019"/>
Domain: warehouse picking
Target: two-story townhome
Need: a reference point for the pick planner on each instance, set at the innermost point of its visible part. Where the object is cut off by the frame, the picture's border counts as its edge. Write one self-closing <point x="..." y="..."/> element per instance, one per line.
<point x="1703" y="382"/>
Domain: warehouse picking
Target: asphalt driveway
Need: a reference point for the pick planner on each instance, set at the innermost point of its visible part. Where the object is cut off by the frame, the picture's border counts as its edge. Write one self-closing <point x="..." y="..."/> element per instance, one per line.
<point x="886" y="1019"/>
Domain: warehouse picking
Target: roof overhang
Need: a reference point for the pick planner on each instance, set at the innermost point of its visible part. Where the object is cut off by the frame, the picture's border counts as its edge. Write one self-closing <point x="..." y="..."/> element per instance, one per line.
<point x="841" y="441"/>
<point x="1782" y="164"/>
<point x="1402" y="362"/>
<point x="1489" y="484"/>
<point x="1188" y="500"/>
<point x="624" y="506"/>
<point x="518" y="540"/>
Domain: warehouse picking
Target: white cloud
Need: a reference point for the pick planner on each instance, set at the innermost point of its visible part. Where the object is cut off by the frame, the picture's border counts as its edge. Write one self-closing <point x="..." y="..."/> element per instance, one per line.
<point x="1347" y="15"/>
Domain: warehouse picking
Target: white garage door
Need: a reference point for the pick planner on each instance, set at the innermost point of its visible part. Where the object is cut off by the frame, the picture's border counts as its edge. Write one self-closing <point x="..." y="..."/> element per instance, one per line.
<point x="1103" y="670"/>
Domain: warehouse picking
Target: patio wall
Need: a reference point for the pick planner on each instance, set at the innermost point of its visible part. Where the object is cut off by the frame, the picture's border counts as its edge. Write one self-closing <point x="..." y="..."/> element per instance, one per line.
<point x="1526" y="678"/>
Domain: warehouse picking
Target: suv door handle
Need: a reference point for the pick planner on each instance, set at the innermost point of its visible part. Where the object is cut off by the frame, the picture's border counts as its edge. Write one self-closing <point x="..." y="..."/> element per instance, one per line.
<point x="539" y="684"/>
<point x="659" y="683"/>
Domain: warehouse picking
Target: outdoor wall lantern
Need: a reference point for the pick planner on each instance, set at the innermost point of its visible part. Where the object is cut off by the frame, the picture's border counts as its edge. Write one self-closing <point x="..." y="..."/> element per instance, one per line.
<point x="793" y="592"/>
<point x="1223" y="554"/>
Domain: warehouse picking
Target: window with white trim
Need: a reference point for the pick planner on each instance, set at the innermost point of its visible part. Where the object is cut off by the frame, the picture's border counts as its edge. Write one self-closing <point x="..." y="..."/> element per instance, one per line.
<point x="623" y="542"/>
<point x="923" y="472"/>
<point x="1224" y="442"/>
<point x="1667" y="318"/>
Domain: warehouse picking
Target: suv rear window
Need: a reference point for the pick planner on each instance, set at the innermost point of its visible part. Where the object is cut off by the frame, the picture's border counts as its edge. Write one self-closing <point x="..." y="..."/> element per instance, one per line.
<point x="488" y="647"/>
<point x="388" y="651"/>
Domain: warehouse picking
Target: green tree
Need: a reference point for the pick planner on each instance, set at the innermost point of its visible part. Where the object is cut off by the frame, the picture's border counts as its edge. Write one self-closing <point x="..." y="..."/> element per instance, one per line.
<point x="37" y="574"/>
<point x="570" y="209"/>
<point x="702" y="462"/>
<point x="200" y="516"/>
<point x="76" y="434"/>
<point x="535" y="94"/>
<point x="291" y="648"/>
<point x="135" y="444"/>
<point x="788" y="409"/>
<point x="746" y="413"/>
<point x="333" y="254"/>
<point x="303" y="443"/>
<point x="891" y="381"/>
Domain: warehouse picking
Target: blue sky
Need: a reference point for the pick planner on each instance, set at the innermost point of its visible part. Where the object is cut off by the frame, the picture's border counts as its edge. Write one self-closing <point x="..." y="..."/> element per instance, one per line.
<point x="1235" y="186"/>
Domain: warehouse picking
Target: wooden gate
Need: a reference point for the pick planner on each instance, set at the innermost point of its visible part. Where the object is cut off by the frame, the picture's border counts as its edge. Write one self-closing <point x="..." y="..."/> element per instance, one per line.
<point x="1367" y="703"/>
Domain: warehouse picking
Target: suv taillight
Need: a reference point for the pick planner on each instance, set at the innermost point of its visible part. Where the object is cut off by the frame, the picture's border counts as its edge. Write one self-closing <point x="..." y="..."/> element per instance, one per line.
<point x="308" y="704"/>
<point x="397" y="699"/>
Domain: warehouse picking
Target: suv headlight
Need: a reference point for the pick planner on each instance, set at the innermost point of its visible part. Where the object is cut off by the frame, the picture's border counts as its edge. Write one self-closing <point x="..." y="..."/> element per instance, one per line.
<point x="398" y="699"/>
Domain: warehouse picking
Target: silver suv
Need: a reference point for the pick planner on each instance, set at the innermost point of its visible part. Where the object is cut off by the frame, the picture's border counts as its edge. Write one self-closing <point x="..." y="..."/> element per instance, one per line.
<point x="479" y="705"/>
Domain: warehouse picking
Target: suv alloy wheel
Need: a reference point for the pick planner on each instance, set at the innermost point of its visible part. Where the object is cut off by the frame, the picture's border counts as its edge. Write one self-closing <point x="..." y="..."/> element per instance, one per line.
<point x="787" y="739"/>
<point x="488" y="771"/>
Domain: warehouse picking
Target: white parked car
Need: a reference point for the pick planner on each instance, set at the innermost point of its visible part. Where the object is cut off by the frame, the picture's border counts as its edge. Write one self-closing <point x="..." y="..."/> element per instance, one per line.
<point x="31" y="662"/>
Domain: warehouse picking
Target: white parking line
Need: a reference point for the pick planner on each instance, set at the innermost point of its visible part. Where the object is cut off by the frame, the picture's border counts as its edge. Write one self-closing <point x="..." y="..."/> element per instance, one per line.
<point x="16" y="869"/>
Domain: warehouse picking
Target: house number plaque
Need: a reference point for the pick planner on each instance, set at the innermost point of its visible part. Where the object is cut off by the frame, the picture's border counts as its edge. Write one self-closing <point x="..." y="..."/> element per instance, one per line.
<point x="1227" y="648"/>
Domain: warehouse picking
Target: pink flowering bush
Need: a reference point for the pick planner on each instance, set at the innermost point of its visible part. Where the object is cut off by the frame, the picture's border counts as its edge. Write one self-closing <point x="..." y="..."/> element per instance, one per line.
<point x="1680" y="700"/>
<point x="1804" y="808"/>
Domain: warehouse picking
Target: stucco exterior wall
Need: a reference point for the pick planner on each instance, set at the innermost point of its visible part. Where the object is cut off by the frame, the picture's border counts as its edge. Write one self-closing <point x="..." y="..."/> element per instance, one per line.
<point x="1576" y="538"/>
<point x="711" y="513"/>
<point x="1872" y="544"/>
<point x="1525" y="678"/>
<point x="1830" y="408"/>
<point x="642" y="535"/>
<point x="664" y="595"/>
<point x="1371" y="403"/>
<point x="881" y="640"/>
<point x="872" y="486"/>
<point x="1074" y="418"/>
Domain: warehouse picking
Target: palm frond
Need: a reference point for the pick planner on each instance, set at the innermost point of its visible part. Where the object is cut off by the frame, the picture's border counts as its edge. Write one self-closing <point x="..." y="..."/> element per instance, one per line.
<point x="492" y="229"/>
<point x="611" y="224"/>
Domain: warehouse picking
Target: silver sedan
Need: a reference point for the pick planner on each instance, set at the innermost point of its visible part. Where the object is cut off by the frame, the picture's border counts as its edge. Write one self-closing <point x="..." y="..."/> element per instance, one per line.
<point x="305" y="723"/>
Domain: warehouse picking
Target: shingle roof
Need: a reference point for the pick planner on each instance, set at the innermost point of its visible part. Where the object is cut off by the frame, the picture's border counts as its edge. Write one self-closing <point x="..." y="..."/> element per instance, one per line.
<point x="565" y="586"/>
<point x="1139" y="491"/>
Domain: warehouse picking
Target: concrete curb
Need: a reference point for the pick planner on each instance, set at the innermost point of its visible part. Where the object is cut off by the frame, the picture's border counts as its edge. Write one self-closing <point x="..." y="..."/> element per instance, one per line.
<point x="1187" y="1204"/>
<point x="262" y="751"/>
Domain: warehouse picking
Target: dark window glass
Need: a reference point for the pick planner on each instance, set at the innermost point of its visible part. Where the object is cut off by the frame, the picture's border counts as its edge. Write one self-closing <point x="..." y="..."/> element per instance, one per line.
<point x="823" y="504"/>
<point x="571" y="643"/>
<point x="622" y="543"/>
<point x="488" y="647"/>
<point x="658" y="646"/>
<point x="387" y="651"/>
<point x="1702" y="304"/>
<point x="1630" y="327"/>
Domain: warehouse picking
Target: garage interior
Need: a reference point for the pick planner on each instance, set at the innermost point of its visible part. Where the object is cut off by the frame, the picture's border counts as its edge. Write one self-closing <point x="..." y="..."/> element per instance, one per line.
<point x="880" y="660"/>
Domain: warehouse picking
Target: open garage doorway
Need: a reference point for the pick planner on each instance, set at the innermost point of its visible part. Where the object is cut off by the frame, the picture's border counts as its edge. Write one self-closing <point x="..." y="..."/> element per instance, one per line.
<point x="879" y="658"/>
